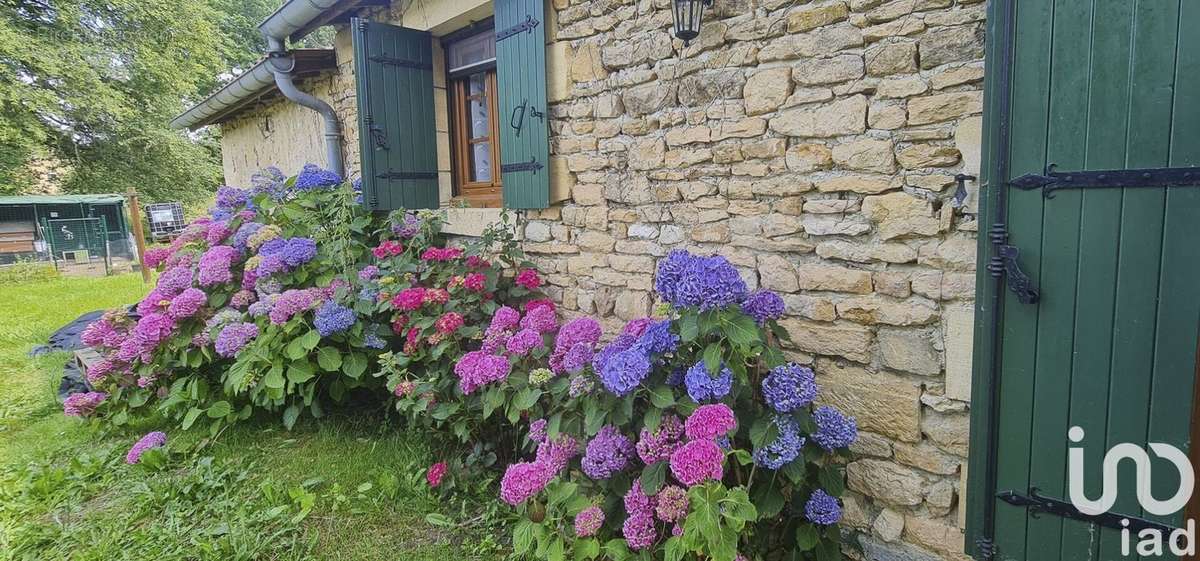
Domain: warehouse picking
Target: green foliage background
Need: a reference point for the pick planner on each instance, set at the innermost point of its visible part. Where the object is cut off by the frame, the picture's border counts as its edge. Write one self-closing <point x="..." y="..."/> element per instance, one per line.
<point x="92" y="84"/>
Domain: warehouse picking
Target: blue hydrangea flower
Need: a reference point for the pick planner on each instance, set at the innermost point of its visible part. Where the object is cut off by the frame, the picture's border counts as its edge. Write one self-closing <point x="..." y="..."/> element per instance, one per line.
<point x="789" y="387"/>
<point x="702" y="387"/>
<point x="834" y="430"/>
<point x="621" y="343"/>
<point x="242" y="236"/>
<point x="763" y="305"/>
<point x="675" y="378"/>
<point x="232" y="198"/>
<point x="299" y="251"/>
<point x="822" y="509"/>
<point x="269" y="181"/>
<point x="271" y="247"/>
<point x="786" y="447"/>
<point x="625" y="370"/>
<point x="608" y="453"/>
<point x="368" y="294"/>
<point x="333" y="318"/>
<point x="658" y="339"/>
<point x="315" y="177"/>
<point x="670" y="270"/>
<point x="373" y="341"/>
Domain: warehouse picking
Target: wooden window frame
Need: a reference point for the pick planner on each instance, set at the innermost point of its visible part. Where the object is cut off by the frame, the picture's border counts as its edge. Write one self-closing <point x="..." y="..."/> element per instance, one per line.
<point x="484" y="194"/>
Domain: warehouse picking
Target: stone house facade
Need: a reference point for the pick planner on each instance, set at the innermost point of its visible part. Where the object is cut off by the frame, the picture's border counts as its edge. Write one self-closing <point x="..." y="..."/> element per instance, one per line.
<point x="813" y="143"/>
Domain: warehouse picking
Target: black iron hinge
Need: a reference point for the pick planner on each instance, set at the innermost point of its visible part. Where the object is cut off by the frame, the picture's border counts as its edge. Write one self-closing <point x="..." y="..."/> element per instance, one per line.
<point x="986" y="548"/>
<point x="1006" y="263"/>
<point x="1038" y="504"/>
<point x="526" y="26"/>
<point x="1052" y="181"/>
<point x="532" y="165"/>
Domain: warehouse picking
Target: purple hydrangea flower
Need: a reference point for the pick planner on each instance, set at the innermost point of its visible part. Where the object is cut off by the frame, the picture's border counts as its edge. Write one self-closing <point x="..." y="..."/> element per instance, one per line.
<point x="702" y="387"/>
<point x="523" y="342"/>
<point x="524" y="480"/>
<point x="313" y="176"/>
<point x="789" y="387"/>
<point x="540" y="319"/>
<point x="214" y="265"/>
<point x="583" y="330"/>
<point x="763" y="305"/>
<point x="241" y="238"/>
<point x="292" y="302"/>
<point x="269" y="181"/>
<point x="232" y="198"/>
<point x="537" y="431"/>
<point x="672" y="503"/>
<point x="659" y="444"/>
<point x="557" y="452"/>
<point x="369" y="272"/>
<point x="408" y="226"/>
<point x="333" y="318"/>
<point x="152" y="440"/>
<point x="234" y="337"/>
<point x="670" y="270"/>
<point x="639" y="531"/>
<point x="834" y="430"/>
<point x="608" y="453"/>
<point x="580" y="385"/>
<point x="822" y="509"/>
<point x="83" y="404"/>
<point x="577" y="358"/>
<point x="173" y="281"/>
<point x="187" y="304"/>
<point x="707" y="283"/>
<point x="624" y="371"/>
<point x="786" y="447"/>
<point x="373" y="341"/>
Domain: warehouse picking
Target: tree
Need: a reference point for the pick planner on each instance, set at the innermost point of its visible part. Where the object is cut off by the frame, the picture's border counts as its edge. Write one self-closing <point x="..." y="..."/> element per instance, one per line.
<point x="94" y="84"/>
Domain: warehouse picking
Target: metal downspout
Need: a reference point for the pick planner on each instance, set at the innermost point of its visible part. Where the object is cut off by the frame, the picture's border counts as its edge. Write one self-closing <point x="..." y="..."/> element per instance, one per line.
<point x="281" y="64"/>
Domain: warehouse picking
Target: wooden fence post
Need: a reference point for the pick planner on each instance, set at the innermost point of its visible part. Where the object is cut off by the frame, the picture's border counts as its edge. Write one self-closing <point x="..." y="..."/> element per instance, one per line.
<point x="135" y="220"/>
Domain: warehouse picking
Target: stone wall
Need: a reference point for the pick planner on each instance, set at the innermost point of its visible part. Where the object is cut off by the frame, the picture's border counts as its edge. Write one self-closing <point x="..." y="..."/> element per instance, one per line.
<point x="275" y="133"/>
<point x="815" y="145"/>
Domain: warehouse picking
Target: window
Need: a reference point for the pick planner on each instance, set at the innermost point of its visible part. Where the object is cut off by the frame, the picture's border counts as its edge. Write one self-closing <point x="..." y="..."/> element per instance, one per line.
<point x="474" y="128"/>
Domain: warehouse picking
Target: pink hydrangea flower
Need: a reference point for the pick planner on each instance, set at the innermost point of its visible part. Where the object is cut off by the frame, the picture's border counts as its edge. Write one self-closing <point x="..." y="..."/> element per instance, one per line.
<point x="639" y="531"/>
<point x="524" y="480"/>
<point x="409" y="299"/>
<point x="152" y="440"/>
<point x="215" y="264"/>
<point x="529" y="279"/>
<point x="478" y="368"/>
<point x="449" y="323"/>
<point x="156" y="256"/>
<point x="437" y="296"/>
<point x="83" y="404"/>
<point x="541" y="319"/>
<point x="710" y="421"/>
<point x="588" y="522"/>
<point x="187" y="304"/>
<point x="435" y="474"/>
<point x="698" y="461"/>
<point x="475" y="282"/>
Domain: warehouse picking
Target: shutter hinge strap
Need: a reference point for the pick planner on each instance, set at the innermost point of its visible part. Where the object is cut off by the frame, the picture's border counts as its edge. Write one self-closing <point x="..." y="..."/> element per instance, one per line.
<point x="532" y="165"/>
<point x="1051" y="181"/>
<point x="526" y="26"/>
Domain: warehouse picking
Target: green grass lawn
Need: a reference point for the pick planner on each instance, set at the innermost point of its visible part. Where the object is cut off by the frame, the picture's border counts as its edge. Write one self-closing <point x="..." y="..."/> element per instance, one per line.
<point x="348" y="487"/>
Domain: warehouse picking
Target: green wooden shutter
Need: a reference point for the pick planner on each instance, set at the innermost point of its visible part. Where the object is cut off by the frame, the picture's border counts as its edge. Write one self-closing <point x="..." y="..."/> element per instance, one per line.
<point x="393" y="67"/>
<point x="524" y="126"/>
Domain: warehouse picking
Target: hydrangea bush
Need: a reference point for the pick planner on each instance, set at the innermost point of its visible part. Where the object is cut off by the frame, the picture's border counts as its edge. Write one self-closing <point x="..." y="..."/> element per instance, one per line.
<point x="688" y="435"/>
<point x="271" y="303"/>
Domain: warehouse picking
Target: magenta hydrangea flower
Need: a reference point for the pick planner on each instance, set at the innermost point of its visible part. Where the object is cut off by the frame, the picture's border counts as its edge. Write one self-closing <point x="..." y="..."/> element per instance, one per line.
<point x="409" y="299"/>
<point x="523" y="342"/>
<point x="524" y="480"/>
<point x="155" y="256"/>
<point x="83" y="404"/>
<point x="541" y="319"/>
<point x="214" y="265"/>
<point x="478" y="368"/>
<point x="174" y="280"/>
<point x="156" y="439"/>
<point x="672" y="503"/>
<point x="557" y="452"/>
<point x="710" y="421"/>
<point x="505" y="319"/>
<point x="234" y="337"/>
<point x="292" y="302"/>
<point x="659" y="444"/>
<point x="698" y="461"/>
<point x="636" y="500"/>
<point x="608" y="453"/>
<point x="100" y="370"/>
<point x="187" y="304"/>
<point x="153" y="328"/>
<point x="537" y="431"/>
<point x="639" y="531"/>
<point x="588" y="522"/>
<point x="217" y="232"/>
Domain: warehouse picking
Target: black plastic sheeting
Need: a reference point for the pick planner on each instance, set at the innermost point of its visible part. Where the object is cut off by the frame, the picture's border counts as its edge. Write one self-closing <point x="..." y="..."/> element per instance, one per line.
<point x="68" y="339"/>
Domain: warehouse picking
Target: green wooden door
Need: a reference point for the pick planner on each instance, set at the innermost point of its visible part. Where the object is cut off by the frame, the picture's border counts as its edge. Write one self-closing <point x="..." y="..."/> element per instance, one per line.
<point x="393" y="69"/>
<point x="1110" y="344"/>
<point x="524" y="119"/>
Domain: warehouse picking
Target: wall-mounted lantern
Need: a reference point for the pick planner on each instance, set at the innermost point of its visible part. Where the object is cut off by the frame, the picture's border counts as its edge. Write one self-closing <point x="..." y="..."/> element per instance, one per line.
<point x="688" y="14"/>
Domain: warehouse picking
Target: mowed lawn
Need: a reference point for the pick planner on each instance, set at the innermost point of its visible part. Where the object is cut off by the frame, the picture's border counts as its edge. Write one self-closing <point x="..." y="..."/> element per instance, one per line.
<point x="348" y="487"/>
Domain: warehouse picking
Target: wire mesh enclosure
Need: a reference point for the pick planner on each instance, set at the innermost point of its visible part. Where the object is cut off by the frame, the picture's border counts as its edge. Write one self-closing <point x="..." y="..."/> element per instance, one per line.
<point x="78" y="242"/>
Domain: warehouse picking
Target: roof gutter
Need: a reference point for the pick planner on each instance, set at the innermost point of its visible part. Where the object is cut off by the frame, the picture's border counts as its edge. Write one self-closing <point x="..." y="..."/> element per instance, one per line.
<point x="232" y="94"/>
<point x="288" y="19"/>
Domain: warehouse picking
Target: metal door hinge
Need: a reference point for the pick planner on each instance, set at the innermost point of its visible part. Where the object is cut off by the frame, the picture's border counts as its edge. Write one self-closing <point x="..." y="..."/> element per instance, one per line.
<point x="1052" y="181"/>
<point x="526" y="26"/>
<point x="532" y="165"/>
<point x="1039" y="504"/>
<point x="401" y="175"/>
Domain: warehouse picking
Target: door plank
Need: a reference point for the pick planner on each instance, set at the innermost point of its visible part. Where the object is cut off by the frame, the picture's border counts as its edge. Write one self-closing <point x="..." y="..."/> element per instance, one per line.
<point x="1030" y="99"/>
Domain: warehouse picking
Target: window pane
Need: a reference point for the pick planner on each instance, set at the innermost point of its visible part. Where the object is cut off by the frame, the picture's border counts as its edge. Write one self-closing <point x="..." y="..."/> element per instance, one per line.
<point x="481" y="161"/>
<point x="472" y="50"/>
<point x="477" y="109"/>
